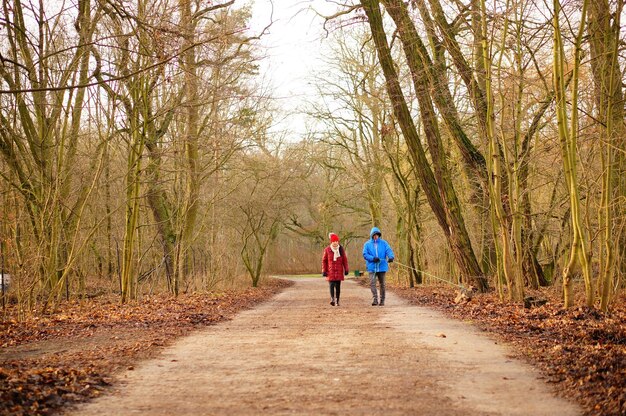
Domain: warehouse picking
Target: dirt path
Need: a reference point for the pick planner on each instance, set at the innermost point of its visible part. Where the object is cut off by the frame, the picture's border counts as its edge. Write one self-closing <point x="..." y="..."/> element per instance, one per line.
<point x="296" y="354"/>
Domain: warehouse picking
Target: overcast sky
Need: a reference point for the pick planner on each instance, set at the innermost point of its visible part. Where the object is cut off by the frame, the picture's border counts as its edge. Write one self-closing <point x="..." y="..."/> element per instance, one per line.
<point x="295" y="45"/>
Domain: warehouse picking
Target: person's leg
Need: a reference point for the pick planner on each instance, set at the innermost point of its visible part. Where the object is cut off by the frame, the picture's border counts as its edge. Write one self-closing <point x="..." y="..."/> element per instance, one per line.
<point x="332" y="292"/>
<point x="337" y="292"/>
<point x="381" y="279"/>
<point x="373" y="288"/>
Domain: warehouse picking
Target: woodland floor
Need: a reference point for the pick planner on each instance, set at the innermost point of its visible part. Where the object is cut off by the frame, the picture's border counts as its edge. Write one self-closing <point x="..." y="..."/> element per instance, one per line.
<point x="48" y="363"/>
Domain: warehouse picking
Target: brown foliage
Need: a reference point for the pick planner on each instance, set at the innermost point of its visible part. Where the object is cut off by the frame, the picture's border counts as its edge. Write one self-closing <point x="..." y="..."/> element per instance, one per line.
<point x="581" y="350"/>
<point x="70" y="356"/>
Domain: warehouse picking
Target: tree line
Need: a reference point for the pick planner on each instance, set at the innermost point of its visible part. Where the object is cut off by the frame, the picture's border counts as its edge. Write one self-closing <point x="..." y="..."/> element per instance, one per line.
<point x="139" y="150"/>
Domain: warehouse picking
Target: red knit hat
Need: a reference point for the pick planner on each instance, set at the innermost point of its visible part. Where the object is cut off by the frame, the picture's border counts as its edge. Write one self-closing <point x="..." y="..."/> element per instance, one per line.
<point x="333" y="237"/>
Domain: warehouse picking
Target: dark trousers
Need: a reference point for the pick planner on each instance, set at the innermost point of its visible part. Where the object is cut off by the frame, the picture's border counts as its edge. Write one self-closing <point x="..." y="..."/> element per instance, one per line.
<point x="381" y="280"/>
<point x="335" y="288"/>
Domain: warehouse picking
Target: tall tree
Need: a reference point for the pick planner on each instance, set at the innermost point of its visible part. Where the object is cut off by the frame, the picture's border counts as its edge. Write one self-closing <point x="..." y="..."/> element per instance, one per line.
<point x="358" y="116"/>
<point x="578" y="261"/>
<point x="603" y="29"/>
<point x="45" y="73"/>
<point x="437" y="186"/>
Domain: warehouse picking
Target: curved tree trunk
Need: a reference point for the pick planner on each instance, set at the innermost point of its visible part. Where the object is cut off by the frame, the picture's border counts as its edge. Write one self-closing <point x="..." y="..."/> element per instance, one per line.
<point x="437" y="186"/>
<point x="578" y="261"/>
<point x="604" y="38"/>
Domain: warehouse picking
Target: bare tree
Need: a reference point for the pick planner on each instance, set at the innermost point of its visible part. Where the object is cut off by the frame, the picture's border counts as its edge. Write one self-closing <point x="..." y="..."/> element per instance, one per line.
<point x="44" y="72"/>
<point x="579" y="252"/>
<point x="603" y="29"/>
<point x="436" y="183"/>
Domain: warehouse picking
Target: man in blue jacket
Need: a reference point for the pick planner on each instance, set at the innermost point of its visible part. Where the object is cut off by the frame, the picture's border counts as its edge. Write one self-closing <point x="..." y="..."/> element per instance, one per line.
<point x="377" y="254"/>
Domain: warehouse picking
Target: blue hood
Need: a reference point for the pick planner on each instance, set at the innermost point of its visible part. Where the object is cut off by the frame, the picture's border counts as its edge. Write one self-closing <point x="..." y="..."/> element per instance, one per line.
<point x="375" y="230"/>
<point x="377" y="249"/>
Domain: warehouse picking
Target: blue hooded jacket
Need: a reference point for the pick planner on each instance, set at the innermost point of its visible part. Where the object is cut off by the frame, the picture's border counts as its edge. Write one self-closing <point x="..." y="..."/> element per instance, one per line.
<point x="379" y="248"/>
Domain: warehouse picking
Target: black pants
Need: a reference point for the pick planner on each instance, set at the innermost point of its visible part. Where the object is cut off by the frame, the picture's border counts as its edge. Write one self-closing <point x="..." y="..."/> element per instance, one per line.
<point x="335" y="288"/>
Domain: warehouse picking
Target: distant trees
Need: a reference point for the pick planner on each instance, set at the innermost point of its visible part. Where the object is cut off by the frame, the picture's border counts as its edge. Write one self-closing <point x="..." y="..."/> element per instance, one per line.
<point x="172" y="117"/>
<point x="365" y="146"/>
<point x="268" y="190"/>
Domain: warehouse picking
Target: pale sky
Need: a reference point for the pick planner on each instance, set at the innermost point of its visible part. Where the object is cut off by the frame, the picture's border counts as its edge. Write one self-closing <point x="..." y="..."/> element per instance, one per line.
<point x="295" y="46"/>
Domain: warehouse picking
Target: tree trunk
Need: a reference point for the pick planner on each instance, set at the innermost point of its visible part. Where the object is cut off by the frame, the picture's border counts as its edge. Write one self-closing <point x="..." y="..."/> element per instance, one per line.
<point x="438" y="187"/>
<point x="578" y="259"/>
<point x="191" y="126"/>
<point x="604" y="39"/>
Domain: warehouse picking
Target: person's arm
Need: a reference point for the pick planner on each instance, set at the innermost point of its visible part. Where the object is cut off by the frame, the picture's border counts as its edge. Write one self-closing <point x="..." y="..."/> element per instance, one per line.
<point x="345" y="261"/>
<point x="325" y="263"/>
<point x="390" y="255"/>
<point x="366" y="255"/>
<point x="370" y="258"/>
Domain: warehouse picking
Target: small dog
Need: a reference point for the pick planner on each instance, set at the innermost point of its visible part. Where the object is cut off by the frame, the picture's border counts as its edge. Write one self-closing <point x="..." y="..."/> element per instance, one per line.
<point x="464" y="294"/>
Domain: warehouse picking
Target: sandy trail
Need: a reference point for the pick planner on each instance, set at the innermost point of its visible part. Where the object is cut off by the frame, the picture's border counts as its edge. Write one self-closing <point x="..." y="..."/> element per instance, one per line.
<point x="296" y="354"/>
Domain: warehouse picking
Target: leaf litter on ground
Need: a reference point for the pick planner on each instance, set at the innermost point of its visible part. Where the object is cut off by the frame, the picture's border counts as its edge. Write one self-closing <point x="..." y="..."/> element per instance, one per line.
<point x="48" y="362"/>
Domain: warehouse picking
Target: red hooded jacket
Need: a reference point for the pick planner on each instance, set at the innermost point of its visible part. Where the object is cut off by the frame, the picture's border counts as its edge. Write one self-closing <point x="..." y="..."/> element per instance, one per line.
<point x="334" y="269"/>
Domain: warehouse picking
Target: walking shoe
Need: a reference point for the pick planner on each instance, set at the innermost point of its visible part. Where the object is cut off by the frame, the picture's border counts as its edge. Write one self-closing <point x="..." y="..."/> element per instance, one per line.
<point x="374" y="302"/>
<point x="332" y="302"/>
<point x="382" y="303"/>
<point x="337" y="303"/>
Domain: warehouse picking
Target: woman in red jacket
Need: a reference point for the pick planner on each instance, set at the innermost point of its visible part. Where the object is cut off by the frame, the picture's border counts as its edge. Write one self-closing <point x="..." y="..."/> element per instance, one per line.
<point x="334" y="267"/>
